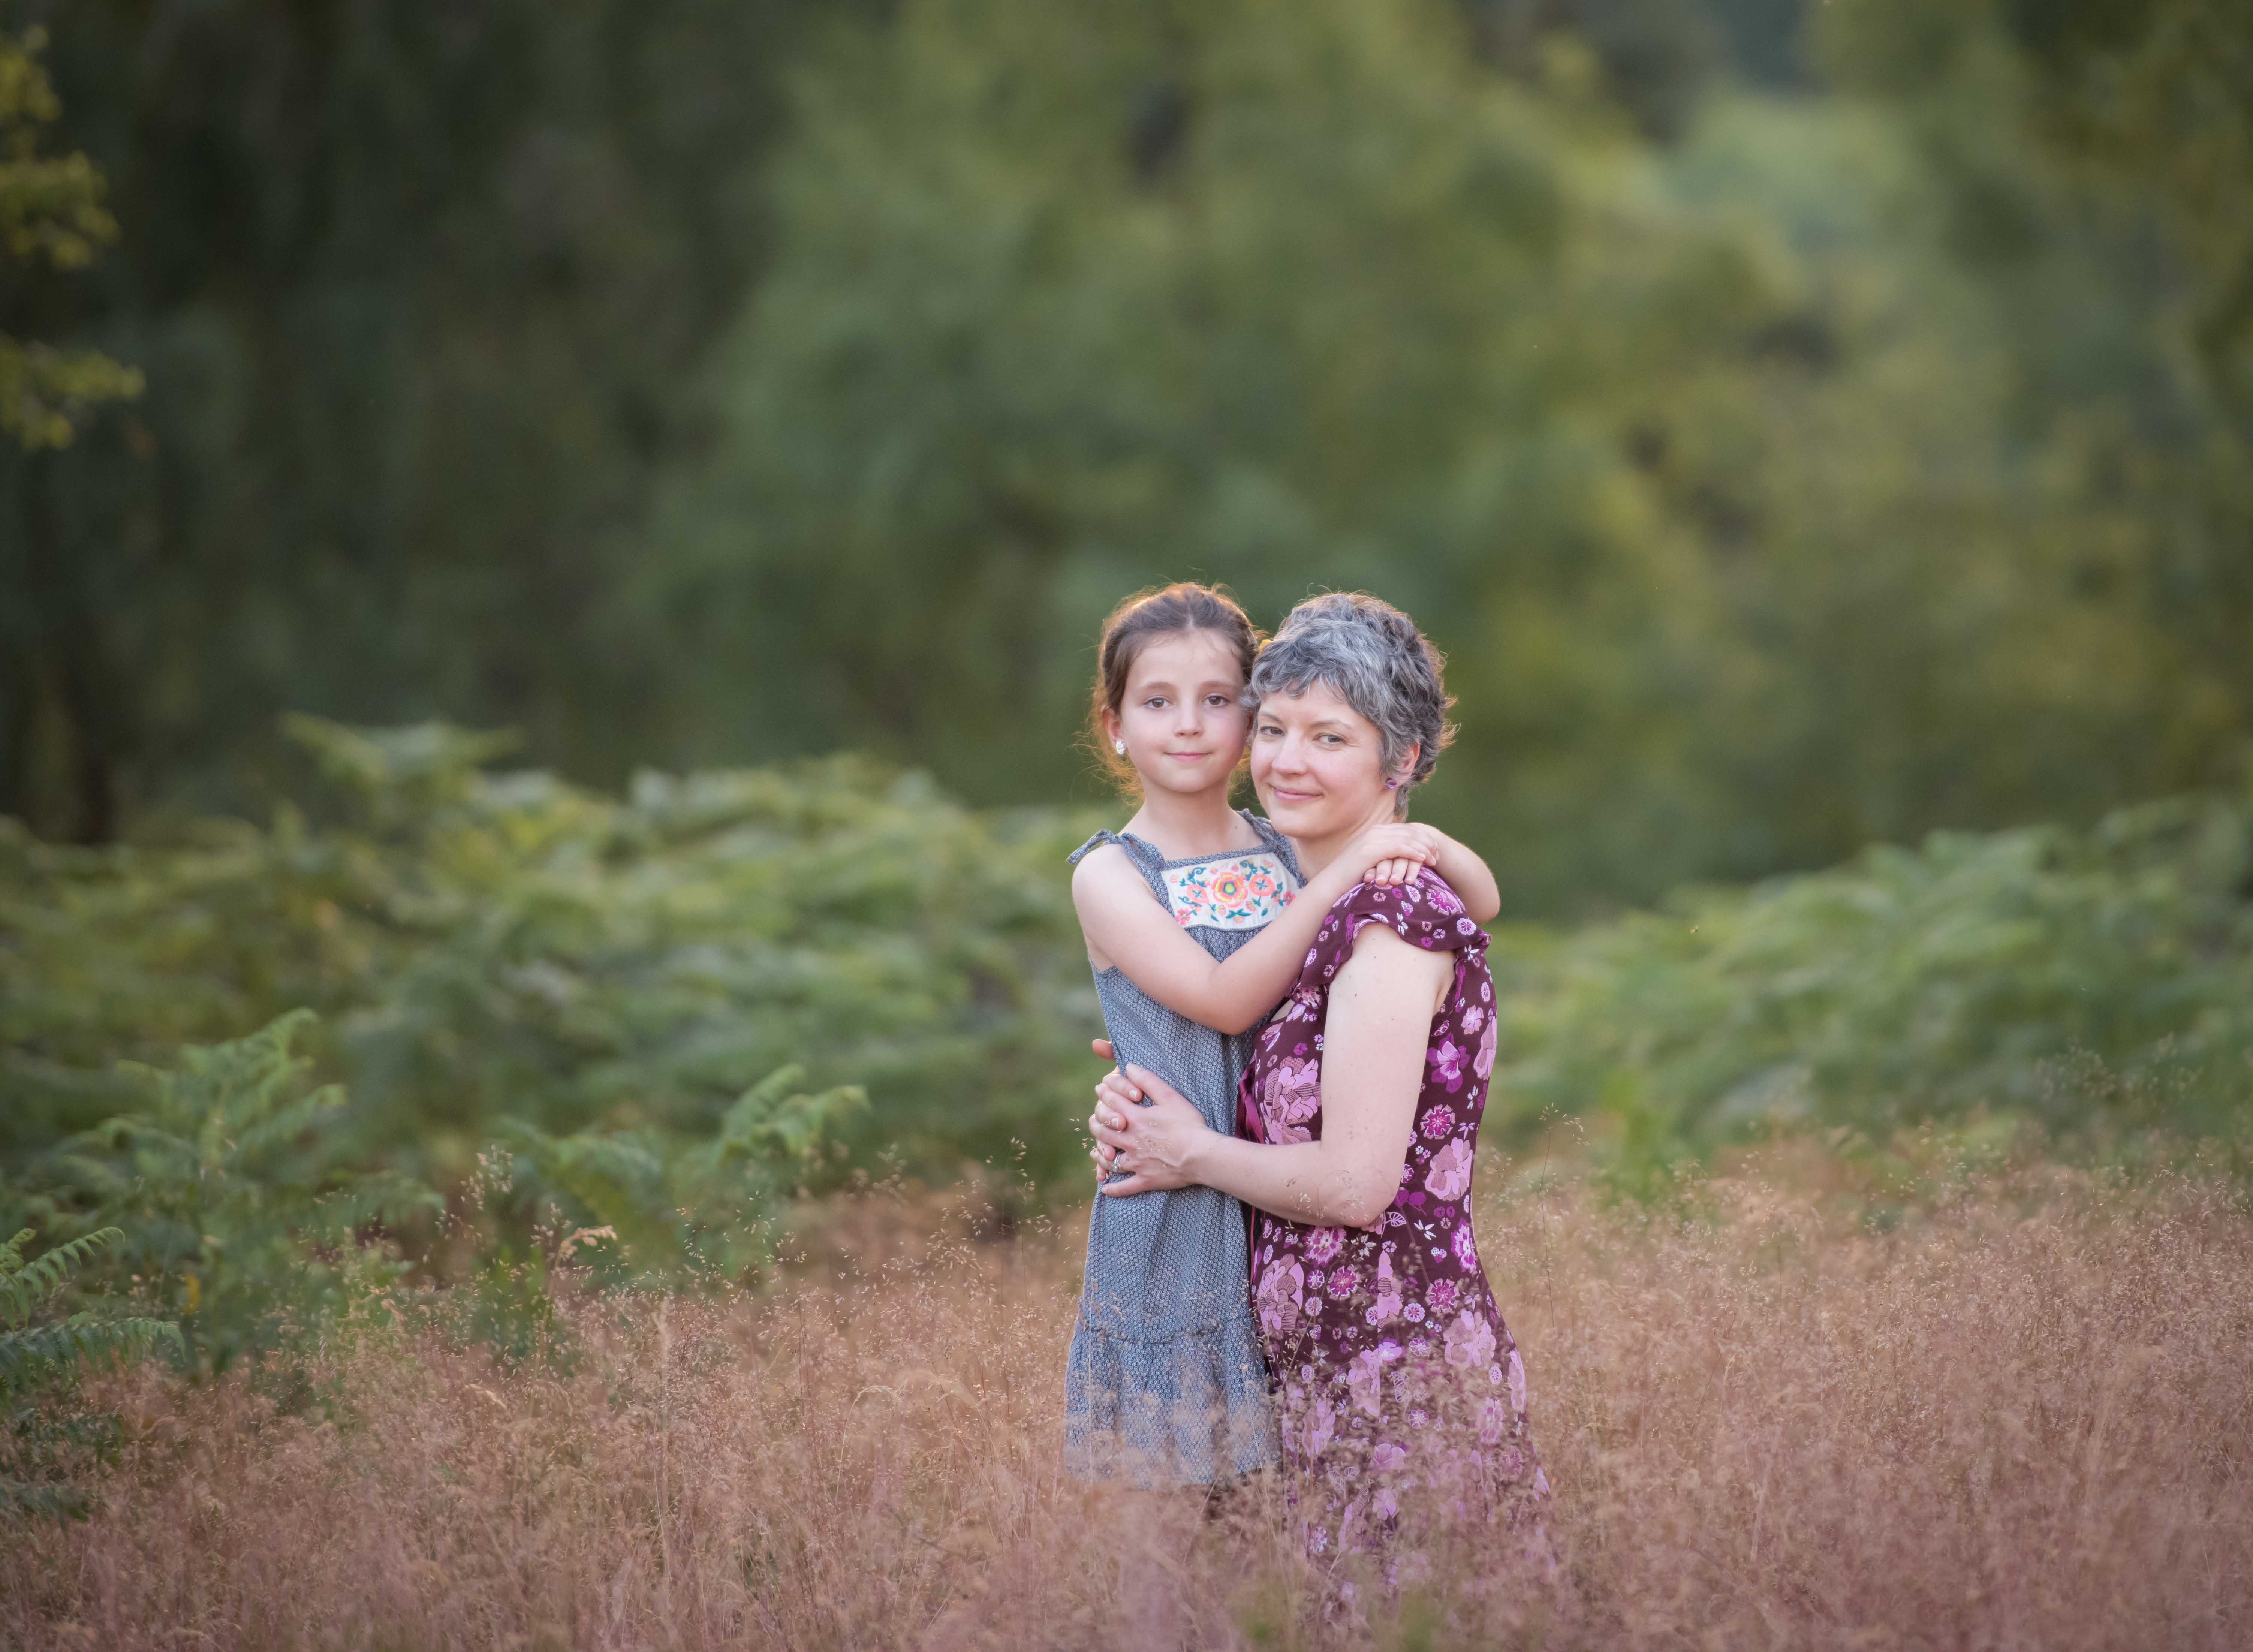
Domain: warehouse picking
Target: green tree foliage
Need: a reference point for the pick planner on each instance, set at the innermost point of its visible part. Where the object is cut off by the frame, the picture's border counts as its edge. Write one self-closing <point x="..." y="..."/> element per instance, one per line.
<point x="1705" y="465"/>
<point x="419" y="293"/>
<point x="42" y="1359"/>
<point x="484" y="946"/>
<point x="1785" y="473"/>
<point x="50" y="212"/>
<point x="2095" y="982"/>
<point x="2091" y="164"/>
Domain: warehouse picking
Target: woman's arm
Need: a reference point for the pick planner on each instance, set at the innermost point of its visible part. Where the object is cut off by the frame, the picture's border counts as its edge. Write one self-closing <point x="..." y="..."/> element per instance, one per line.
<point x="1469" y="877"/>
<point x="1373" y="1050"/>
<point x="1124" y="926"/>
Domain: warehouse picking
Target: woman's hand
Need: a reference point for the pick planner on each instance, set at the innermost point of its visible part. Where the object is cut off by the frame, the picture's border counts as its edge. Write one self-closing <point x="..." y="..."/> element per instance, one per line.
<point x="1392" y="852"/>
<point x="1095" y="1150"/>
<point x="1116" y="1092"/>
<point x="1153" y="1130"/>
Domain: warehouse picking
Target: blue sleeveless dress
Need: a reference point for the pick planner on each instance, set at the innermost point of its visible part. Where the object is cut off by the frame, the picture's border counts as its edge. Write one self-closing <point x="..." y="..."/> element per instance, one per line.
<point x="1164" y="1384"/>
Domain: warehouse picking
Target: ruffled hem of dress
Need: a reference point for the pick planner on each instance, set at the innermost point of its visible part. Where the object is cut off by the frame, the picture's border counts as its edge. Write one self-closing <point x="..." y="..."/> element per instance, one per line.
<point x="1188" y="1409"/>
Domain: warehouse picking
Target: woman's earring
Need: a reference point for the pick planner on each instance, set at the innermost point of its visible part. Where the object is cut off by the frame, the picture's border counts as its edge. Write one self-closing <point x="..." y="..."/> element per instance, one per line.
<point x="1391" y="785"/>
<point x="1119" y="746"/>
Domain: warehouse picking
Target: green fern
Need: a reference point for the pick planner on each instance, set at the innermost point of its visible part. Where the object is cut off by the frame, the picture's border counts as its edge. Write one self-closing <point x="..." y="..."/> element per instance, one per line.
<point x="673" y="1205"/>
<point x="228" y="1191"/>
<point x="40" y="1365"/>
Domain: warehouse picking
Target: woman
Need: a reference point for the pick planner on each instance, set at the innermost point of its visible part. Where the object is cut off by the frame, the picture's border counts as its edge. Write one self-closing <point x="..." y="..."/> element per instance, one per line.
<point x="1402" y="1395"/>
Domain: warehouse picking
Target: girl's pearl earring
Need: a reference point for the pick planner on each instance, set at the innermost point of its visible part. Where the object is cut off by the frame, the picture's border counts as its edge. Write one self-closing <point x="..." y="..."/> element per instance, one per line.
<point x="1119" y="746"/>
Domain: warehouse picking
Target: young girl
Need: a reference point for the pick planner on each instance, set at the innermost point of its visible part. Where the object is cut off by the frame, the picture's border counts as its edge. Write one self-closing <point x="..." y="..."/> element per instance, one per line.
<point x="1196" y="925"/>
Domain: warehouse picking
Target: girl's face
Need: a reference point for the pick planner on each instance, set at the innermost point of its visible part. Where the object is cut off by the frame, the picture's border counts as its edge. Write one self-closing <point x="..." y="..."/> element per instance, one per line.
<point x="1183" y="716"/>
<point x="1318" y="766"/>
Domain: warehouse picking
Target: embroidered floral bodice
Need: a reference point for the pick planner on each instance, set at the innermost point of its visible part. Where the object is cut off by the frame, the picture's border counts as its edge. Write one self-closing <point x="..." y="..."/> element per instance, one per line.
<point x="1229" y="892"/>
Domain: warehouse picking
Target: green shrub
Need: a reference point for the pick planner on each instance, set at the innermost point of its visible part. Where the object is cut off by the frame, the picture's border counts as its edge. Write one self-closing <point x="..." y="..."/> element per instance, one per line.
<point x="482" y="946"/>
<point x="2094" y="979"/>
<point x="227" y="1196"/>
<point x="702" y="1207"/>
<point x="41" y="1363"/>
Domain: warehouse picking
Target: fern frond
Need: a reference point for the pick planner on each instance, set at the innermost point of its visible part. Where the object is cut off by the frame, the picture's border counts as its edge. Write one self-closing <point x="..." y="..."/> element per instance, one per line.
<point x="44" y="1353"/>
<point x="95" y="1432"/>
<point x="770" y="1126"/>
<point x="27" y="1497"/>
<point x="617" y="1178"/>
<point x="287" y="1124"/>
<point x="32" y="1283"/>
<point x="380" y="1196"/>
<point x="773" y="1087"/>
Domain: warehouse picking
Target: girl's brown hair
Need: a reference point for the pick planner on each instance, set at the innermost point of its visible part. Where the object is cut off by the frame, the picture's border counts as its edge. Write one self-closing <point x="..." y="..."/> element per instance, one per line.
<point x="1134" y="625"/>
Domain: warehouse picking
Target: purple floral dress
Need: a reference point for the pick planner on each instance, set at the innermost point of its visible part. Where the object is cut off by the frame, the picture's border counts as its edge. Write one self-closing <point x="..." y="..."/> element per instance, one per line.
<point x="1402" y="1396"/>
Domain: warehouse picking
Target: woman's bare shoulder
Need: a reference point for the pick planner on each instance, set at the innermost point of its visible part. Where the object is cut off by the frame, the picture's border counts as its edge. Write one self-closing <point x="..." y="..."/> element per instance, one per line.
<point x="1383" y="941"/>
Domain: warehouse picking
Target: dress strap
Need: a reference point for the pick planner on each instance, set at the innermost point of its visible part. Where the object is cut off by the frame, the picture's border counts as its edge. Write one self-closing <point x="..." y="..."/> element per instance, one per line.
<point x="1144" y="855"/>
<point x="1272" y="835"/>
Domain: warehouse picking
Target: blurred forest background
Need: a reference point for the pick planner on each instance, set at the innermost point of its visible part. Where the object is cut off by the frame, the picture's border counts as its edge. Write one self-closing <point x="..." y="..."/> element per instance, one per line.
<point x="1805" y="427"/>
<point x="1802" y="425"/>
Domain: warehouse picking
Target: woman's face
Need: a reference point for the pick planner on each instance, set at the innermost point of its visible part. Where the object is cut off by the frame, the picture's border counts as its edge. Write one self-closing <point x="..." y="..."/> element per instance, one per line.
<point x="1183" y="716"/>
<point x="1317" y="764"/>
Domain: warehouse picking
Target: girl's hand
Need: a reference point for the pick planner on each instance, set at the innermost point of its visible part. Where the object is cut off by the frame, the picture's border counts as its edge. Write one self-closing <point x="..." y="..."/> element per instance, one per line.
<point x="1152" y="1129"/>
<point x="1392" y="852"/>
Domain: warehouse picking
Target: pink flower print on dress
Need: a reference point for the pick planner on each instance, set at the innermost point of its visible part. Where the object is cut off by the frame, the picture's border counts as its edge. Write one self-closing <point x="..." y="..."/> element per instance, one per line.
<point x="1450" y="1174"/>
<point x="1473" y="1018"/>
<point x="1483" y="1063"/>
<point x="1441" y="1293"/>
<point x="1364" y="1378"/>
<point x="1440" y="1122"/>
<point x="1279" y="1290"/>
<point x="1447" y="1064"/>
<point x="1466" y="1251"/>
<point x="1388" y="1457"/>
<point x="1322" y="1423"/>
<point x="1442" y="898"/>
<point x="1292" y="1097"/>
<point x="1346" y="1521"/>
<point x="1322" y="1244"/>
<point x="1492" y="1421"/>
<point x="1387" y="1307"/>
<point x="1470" y="1341"/>
<point x="1517" y="1383"/>
<point x="1344" y="1281"/>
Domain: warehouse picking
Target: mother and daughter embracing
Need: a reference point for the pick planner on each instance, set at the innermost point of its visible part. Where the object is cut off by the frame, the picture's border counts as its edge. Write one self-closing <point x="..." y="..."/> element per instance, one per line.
<point x="1280" y="1270"/>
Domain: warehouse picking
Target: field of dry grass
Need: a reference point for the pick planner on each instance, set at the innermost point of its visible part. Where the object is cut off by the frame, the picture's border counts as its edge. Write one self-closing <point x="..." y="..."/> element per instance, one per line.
<point x="2016" y="1412"/>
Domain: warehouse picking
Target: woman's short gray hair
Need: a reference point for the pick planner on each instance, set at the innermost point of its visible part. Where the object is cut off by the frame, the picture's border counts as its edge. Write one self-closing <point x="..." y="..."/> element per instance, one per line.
<point x="1372" y="656"/>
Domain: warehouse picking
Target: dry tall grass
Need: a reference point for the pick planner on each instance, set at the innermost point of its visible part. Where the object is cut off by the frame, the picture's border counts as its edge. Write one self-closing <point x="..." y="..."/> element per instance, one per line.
<point x="2020" y="1419"/>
